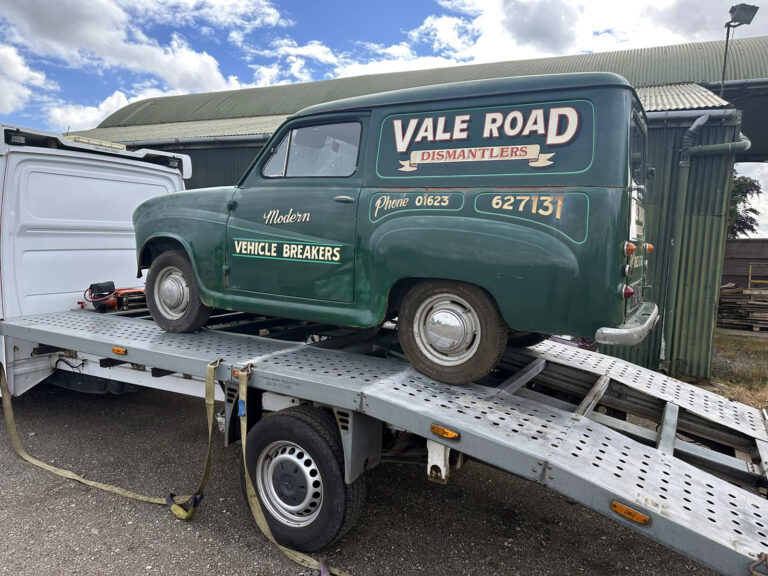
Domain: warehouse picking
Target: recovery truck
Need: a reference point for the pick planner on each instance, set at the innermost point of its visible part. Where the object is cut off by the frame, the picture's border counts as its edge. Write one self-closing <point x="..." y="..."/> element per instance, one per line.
<point x="680" y="465"/>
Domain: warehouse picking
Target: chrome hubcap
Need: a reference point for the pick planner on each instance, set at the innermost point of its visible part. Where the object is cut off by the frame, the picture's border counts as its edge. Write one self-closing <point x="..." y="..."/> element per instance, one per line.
<point x="289" y="484"/>
<point x="447" y="329"/>
<point x="172" y="293"/>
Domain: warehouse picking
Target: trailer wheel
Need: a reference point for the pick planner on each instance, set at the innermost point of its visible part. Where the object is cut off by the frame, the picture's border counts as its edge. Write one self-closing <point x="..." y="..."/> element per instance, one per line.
<point x="173" y="298"/>
<point x="450" y="331"/>
<point x="296" y="464"/>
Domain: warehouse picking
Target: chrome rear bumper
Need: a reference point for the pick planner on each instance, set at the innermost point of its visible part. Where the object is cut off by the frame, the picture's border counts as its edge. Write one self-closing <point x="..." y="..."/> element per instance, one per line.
<point x="633" y="331"/>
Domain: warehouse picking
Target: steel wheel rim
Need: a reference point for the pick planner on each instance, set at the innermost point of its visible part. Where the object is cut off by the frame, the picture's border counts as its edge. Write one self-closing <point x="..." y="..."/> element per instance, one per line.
<point x="172" y="293"/>
<point x="447" y="329"/>
<point x="289" y="484"/>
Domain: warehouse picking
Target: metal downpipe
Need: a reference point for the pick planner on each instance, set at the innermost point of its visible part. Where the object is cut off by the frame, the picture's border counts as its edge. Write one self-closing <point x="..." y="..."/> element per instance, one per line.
<point x="689" y="138"/>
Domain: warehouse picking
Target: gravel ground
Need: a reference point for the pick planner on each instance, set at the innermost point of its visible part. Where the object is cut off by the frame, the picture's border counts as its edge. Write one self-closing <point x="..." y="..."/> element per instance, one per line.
<point x="484" y="522"/>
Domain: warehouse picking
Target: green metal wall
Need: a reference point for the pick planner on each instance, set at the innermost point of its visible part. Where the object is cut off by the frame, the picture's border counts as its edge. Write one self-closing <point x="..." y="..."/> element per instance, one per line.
<point x="216" y="166"/>
<point x="689" y="354"/>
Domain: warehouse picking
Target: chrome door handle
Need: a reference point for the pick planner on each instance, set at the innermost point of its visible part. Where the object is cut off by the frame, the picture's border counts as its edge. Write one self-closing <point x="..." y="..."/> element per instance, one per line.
<point x="344" y="199"/>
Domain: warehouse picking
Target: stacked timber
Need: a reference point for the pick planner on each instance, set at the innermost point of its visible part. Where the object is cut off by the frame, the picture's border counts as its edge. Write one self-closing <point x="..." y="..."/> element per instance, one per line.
<point x="742" y="308"/>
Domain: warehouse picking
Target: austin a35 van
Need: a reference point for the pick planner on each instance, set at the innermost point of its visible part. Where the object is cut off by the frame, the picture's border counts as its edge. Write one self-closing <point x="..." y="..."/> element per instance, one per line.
<point x="472" y="213"/>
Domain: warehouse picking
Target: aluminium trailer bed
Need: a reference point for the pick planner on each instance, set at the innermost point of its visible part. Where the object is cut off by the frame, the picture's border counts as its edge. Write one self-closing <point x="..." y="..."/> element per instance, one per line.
<point x="687" y="468"/>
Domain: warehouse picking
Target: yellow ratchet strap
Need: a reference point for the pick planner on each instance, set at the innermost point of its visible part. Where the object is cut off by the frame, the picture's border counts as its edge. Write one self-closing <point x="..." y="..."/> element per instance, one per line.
<point x="175" y="502"/>
<point x="185" y="508"/>
<point x="253" y="500"/>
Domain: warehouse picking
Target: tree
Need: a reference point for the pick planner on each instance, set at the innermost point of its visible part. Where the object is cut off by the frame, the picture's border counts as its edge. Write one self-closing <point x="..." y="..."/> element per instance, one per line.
<point x="741" y="216"/>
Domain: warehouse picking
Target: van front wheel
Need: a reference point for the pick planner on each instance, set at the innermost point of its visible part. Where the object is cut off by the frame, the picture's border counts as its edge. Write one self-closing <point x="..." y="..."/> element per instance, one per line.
<point x="173" y="298"/>
<point x="450" y="331"/>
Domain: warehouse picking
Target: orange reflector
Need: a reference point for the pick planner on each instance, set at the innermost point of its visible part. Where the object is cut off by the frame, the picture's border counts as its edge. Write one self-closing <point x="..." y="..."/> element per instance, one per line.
<point x="629" y="249"/>
<point x="118" y="350"/>
<point x="630" y="513"/>
<point x="444" y="432"/>
<point x="649" y="248"/>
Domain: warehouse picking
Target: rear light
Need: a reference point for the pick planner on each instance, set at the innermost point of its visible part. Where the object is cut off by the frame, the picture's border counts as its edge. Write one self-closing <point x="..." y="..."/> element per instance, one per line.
<point x="649" y="248"/>
<point x="627" y="292"/>
<point x="629" y="249"/>
<point x="626" y="271"/>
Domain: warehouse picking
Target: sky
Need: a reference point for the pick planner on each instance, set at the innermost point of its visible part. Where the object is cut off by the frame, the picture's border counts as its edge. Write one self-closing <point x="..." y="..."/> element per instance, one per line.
<point x="68" y="64"/>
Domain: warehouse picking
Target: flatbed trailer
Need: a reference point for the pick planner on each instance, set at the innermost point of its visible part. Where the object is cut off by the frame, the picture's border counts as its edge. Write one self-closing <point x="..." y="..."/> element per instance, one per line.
<point x="681" y="465"/>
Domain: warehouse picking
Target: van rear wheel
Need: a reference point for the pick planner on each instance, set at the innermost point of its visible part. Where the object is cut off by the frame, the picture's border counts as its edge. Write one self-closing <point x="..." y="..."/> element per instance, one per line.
<point x="450" y="331"/>
<point x="173" y="298"/>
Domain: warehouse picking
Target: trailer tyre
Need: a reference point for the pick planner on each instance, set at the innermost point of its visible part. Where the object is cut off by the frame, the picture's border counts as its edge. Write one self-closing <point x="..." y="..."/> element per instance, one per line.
<point x="296" y="464"/>
<point x="173" y="297"/>
<point x="450" y="331"/>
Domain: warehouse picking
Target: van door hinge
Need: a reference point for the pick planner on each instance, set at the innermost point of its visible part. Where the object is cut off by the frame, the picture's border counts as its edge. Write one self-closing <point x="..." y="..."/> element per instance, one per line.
<point x="231" y="205"/>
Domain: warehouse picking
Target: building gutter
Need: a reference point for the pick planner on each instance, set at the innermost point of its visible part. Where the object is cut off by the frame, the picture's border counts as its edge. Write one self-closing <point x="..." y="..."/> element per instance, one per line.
<point x="254" y="138"/>
<point x="737" y="84"/>
<point x="718" y="114"/>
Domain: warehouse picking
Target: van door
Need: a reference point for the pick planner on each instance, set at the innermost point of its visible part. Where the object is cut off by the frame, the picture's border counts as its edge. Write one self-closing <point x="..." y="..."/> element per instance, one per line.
<point x="292" y="223"/>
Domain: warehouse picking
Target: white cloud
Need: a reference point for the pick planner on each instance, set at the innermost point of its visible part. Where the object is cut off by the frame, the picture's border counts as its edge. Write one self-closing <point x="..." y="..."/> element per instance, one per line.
<point x="72" y="117"/>
<point x="547" y="25"/>
<point x="268" y="75"/>
<point x="17" y="80"/>
<point x="100" y="34"/>
<point x="242" y="16"/>
<point x="313" y="50"/>
<point x="699" y="19"/>
<point x="449" y="36"/>
<point x="477" y="31"/>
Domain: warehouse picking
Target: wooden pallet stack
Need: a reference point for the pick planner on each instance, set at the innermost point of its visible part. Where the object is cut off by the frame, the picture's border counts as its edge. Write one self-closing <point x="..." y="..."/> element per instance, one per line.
<point x="742" y="308"/>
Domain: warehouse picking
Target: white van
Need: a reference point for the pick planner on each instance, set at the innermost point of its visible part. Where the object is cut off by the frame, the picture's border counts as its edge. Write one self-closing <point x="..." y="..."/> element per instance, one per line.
<point x="65" y="223"/>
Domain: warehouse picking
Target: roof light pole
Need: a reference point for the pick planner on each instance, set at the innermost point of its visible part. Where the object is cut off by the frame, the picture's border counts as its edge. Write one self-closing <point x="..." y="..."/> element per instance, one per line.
<point x="740" y="14"/>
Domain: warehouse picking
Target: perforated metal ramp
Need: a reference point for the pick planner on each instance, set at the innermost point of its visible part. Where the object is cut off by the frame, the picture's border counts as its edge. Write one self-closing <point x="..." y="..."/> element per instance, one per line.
<point x="691" y="511"/>
<point x="710" y="406"/>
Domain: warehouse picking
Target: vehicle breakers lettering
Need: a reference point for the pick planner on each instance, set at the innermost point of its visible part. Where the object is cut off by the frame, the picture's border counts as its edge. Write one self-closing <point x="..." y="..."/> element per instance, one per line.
<point x="287" y="251"/>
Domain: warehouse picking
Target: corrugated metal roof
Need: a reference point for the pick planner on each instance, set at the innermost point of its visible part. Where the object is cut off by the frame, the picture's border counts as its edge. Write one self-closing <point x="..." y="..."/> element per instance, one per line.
<point x="678" y="97"/>
<point x="201" y="129"/>
<point x="683" y="63"/>
<point x="654" y="98"/>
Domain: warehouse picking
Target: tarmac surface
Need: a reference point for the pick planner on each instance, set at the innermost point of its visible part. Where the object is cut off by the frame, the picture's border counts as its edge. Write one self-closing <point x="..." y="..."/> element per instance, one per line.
<point x="484" y="522"/>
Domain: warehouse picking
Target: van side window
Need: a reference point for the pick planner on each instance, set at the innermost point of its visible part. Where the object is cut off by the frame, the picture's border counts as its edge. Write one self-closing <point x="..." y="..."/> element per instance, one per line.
<point x="326" y="150"/>
<point x="637" y="151"/>
<point x="275" y="166"/>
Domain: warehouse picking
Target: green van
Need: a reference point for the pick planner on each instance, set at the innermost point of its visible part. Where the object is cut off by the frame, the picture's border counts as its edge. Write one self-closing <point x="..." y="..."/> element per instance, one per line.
<point x="473" y="213"/>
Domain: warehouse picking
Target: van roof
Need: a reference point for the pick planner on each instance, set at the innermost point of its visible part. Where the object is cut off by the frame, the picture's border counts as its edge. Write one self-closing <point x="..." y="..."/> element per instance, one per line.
<point x="517" y="85"/>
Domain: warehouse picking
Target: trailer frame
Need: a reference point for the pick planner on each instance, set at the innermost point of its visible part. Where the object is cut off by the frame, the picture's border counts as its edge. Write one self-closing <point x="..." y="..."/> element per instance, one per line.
<point x="554" y="417"/>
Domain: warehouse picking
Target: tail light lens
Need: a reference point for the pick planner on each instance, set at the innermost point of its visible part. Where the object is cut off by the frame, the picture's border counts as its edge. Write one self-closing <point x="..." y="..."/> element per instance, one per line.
<point x="629" y="249"/>
<point x="626" y="271"/>
<point x="649" y="248"/>
<point x="627" y="292"/>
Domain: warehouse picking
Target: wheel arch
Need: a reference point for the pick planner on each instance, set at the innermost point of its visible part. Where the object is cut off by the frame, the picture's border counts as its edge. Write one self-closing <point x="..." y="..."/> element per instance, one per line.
<point x="402" y="286"/>
<point x="156" y="245"/>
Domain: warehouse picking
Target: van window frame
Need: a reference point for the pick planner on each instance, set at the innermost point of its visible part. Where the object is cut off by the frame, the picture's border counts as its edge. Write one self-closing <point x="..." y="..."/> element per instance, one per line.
<point x="637" y="123"/>
<point x="288" y="133"/>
